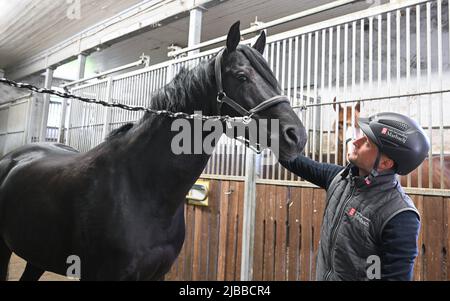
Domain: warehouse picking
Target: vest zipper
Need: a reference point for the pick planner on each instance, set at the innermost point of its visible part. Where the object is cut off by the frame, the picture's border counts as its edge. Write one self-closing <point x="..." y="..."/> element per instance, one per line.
<point x="334" y="233"/>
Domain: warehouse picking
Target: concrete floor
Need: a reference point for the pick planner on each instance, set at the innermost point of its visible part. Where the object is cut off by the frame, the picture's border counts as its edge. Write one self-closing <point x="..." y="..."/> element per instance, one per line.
<point x="17" y="266"/>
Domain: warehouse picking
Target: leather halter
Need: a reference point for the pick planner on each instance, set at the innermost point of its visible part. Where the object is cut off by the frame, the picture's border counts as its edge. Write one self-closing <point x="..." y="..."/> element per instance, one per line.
<point x="223" y="98"/>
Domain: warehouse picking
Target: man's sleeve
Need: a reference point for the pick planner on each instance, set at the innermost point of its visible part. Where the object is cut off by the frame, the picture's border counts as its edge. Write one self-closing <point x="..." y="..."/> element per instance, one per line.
<point x="399" y="246"/>
<point x="320" y="174"/>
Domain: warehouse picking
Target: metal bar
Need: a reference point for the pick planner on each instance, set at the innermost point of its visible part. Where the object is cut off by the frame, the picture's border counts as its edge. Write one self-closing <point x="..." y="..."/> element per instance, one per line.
<point x="382" y="98"/>
<point x="322" y="88"/>
<point x="315" y="112"/>
<point x="296" y="99"/>
<point x="430" y="116"/>
<point x="344" y="124"/>
<point x="408" y="66"/>
<point x="121" y="68"/>
<point x="107" y="111"/>
<point x="46" y="104"/>
<point x="248" y="227"/>
<point x="418" y="83"/>
<point x="266" y="25"/>
<point x="370" y="53"/>
<point x="388" y="55"/>
<point x="330" y="85"/>
<point x="338" y="71"/>
<point x="379" y="59"/>
<point x="308" y="95"/>
<point x="441" y="100"/>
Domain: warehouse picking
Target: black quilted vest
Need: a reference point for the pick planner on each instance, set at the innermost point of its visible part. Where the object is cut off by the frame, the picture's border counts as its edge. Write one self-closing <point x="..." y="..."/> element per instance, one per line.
<point x="353" y="221"/>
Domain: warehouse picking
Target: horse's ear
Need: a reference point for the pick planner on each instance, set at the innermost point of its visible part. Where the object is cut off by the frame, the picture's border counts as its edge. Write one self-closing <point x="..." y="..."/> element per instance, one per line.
<point x="234" y="37"/>
<point x="261" y="42"/>
<point x="358" y="107"/>
<point x="334" y="104"/>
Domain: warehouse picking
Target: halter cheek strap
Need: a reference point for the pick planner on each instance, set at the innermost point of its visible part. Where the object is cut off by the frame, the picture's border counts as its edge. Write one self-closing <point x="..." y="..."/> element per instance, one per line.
<point x="373" y="173"/>
<point x="223" y="98"/>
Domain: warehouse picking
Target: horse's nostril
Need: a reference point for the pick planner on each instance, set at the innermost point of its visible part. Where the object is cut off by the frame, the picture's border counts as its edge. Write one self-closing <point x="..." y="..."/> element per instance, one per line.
<point x="292" y="135"/>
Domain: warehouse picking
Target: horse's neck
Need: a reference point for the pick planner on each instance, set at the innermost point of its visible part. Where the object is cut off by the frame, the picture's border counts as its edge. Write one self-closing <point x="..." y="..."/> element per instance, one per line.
<point x="145" y="153"/>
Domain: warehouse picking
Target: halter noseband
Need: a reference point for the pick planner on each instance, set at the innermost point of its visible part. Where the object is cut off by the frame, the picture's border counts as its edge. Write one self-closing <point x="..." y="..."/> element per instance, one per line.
<point x="223" y="98"/>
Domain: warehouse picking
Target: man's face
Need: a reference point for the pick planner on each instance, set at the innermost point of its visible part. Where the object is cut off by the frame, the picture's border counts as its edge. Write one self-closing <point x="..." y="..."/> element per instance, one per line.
<point x="363" y="154"/>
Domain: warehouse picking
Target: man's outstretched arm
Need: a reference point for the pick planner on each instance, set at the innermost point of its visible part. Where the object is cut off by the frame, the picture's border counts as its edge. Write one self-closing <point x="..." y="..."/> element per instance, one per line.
<point x="320" y="174"/>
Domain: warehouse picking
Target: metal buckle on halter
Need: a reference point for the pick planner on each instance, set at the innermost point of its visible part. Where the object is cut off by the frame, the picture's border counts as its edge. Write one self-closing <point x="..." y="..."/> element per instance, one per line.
<point x="247" y="119"/>
<point x="220" y="96"/>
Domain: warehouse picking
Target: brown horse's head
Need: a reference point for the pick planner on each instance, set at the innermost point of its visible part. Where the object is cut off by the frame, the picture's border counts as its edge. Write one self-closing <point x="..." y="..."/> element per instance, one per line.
<point x="348" y="116"/>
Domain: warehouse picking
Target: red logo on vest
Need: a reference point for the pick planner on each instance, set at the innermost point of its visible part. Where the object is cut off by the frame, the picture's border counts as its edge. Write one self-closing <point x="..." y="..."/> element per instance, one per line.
<point x="352" y="211"/>
<point x="384" y="131"/>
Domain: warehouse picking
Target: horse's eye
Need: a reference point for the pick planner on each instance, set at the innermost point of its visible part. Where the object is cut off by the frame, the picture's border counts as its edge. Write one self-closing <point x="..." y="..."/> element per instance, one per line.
<point x="242" y="78"/>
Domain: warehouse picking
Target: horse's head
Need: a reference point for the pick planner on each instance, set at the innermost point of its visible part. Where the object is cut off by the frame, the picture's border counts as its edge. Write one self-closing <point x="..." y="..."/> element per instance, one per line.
<point x="247" y="86"/>
<point x="350" y="118"/>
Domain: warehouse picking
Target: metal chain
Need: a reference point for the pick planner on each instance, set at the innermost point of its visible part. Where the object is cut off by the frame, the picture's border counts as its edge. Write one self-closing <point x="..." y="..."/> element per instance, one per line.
<point x="122" y="106"/>
<point x="226" y="118"/>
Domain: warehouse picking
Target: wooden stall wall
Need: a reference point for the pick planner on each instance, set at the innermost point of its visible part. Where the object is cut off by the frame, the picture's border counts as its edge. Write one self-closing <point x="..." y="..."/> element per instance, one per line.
<point x="287" y="233"/>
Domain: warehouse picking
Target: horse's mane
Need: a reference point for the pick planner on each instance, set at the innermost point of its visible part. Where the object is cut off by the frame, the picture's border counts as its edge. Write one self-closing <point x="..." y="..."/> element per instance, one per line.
<point x="184" y="93"/>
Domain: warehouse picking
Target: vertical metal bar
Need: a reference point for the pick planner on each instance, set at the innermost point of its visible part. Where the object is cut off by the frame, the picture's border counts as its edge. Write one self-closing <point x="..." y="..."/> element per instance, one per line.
<point x="295" y="91"/>
<point x="418" y="83"/>
<point x="302" y="72"/>
<point x="322" y="89"/>
<point x="107" y="111"/>
<point x="388" y="55"/>
<point x="344" y="124"/>
<point x="315" y="111"/>
<point x="338" y="71"/>
<point x="362" y="59"/>
<point x="248" y="226"/>
<point x="370" y="53"/>
<point x="46" y="104"/>
<point x="441" y="101"/>
<point x="408" y="67"/>
<point x="430" y="113"/>
<point x="289" y="72"/>
<point x="195" y="28"/>
<point x="283" y="83"/>
<point x="330" y="85"/>
<point x="308" y="94"/>
<point x="353" y="83"/>
<point x="380" y="27"/>
<point x="398" y="46"/>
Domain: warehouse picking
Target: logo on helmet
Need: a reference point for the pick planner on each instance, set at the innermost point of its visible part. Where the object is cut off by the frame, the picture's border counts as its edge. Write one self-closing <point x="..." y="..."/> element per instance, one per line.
<point x="394" y="135"/>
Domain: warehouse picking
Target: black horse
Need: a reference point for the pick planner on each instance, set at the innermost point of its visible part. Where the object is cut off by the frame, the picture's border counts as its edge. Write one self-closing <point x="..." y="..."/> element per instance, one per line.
<point x="120" y="206"/>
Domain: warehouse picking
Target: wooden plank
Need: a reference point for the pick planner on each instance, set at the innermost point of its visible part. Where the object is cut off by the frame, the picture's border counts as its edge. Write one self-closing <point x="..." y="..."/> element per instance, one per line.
<point x="204" y="243"/>
<point x="268" y="269"/>
<point x="230" y="267"/>
<point x="223" y="219"/>
<point x="446" y="263"/>
<point x="280" y="241"/>
<point x="214" y="219"/>
<point x="239" y="229"/>
<point x="294" y="233"/>
<point x="258" y="259"/>
<point x="196" y="243"/>
<point x="306" y="239"/>
<point x="433" y="237"/>
<point x="418" y="264"/>
<point x="318" y="210"/>
<point x="188" y="243"/>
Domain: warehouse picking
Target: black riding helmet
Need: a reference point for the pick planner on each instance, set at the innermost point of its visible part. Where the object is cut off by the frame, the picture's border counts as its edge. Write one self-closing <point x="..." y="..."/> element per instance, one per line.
<point x="399" y="137"/>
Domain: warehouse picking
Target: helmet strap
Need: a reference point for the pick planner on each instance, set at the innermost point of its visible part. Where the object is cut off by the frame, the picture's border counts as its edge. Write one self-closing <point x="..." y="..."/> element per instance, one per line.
<point x="373" y="173"/>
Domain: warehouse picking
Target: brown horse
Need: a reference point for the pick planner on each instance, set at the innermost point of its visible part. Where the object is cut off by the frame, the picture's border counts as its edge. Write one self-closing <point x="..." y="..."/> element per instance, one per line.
<point x="347" y="116"/>
<point x="414" y="175"/>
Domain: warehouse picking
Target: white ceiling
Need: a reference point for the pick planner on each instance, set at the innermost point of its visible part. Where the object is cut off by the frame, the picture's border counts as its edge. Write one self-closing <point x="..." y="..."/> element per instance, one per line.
<point x="32" y="26"/>
<point x="28" y="27"/>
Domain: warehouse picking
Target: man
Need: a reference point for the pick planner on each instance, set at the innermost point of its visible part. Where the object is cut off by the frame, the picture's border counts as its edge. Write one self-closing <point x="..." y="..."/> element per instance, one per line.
<point x="370" y="226"/>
